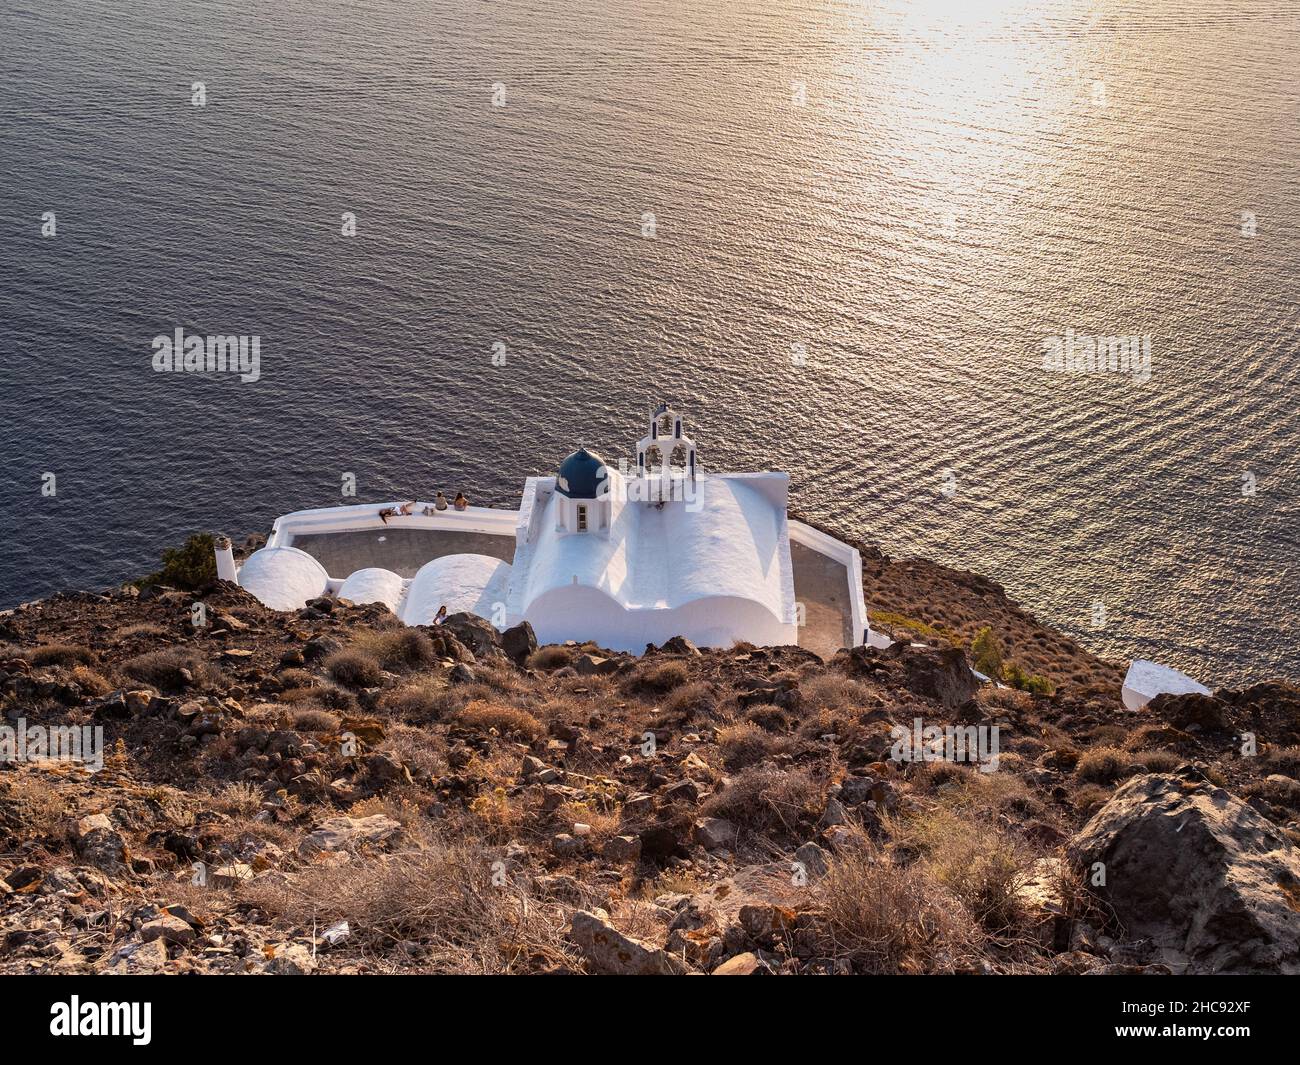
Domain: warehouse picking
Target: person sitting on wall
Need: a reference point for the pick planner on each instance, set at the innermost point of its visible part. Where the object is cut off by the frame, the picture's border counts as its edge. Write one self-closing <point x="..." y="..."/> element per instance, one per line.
<point x="408" y="508"/>
<point x="441" y="615"/>
<point x="441" y="502"/>
<point x="386" y="513"/>
<point x="460" y="502"/>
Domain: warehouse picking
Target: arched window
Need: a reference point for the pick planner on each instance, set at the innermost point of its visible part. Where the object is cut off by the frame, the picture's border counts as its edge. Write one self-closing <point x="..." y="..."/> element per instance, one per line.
<point x="653" y="459"/>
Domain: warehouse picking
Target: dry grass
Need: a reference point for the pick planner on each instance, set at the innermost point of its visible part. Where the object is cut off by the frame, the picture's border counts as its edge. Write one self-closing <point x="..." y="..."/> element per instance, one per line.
<point x="884" y="919"/>
<point x="33" y="804"/>
<point x="507" y="720"/>
<point x="551" y="657"/>
<point x="144" y="628"/>
<point x="832" y="691"/>
<point x="440" y="896"/>
<point x="92" y="682"/>
<point x="398" y="650"/>
<point x="165" y="669"/>
<point x="1158" y="761"/>
<point x="695" y="699"/>
<point x="425" y="697"/>
<point x="1090" y="798"/>
<point x="354" y="668"/>
<point x="240" y="799"/>
<point x="307" y="718"/>
<point x="765" y="799"/>
<point x="1104" y="765"/>
<point x="972" y="859"/>
<point x="744" y="744"/>
<point x="60" y="654"/>
<point x="1284" y="760"/>
<point x="658" y="678"/>
<point x="415" y="749"/>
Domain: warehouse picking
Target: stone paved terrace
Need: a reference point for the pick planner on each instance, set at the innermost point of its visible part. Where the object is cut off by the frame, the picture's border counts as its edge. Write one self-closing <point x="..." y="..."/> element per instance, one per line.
<point x="401" y="550"/>
<point x="820" y="582"/>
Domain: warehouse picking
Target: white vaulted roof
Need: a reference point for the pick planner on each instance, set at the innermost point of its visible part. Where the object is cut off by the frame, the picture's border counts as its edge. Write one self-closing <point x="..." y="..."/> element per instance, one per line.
<point x="373" y="585"/>
<point x="474" y="583"/>
<point x="283" y="578"/>
<point x="729" y="543"/>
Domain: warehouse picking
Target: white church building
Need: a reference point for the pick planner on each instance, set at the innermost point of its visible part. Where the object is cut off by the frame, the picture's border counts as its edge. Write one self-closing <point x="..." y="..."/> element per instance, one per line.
<point x="623" y="555"/>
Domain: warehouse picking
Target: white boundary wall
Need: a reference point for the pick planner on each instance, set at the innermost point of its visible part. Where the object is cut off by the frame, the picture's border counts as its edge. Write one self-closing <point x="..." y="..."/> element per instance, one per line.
<point x="824" y="544"/>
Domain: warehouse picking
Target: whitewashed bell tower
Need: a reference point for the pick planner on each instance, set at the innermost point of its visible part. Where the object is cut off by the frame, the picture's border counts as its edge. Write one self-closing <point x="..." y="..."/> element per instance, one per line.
<point x="665" y="449"/>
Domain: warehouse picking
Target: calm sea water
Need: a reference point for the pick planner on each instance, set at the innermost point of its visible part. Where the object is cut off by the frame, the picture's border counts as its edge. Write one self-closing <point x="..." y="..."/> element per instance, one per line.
<point x="961" y="181"/>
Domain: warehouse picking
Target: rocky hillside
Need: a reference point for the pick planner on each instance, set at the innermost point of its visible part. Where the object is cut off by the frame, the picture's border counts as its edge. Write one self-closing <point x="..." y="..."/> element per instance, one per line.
<point x="329" y="791"/>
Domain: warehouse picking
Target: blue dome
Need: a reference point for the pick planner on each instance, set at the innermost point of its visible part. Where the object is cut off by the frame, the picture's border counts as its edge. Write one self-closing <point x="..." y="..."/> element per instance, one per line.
<point x="580" y="475"/>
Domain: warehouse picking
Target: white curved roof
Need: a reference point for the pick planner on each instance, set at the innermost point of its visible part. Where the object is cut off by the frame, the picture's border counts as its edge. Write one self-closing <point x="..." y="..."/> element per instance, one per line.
<point x="283" y="578"/>
<point x="473" y="583"/>
<point x="1145" y="680"/>
<point x="727" y="543"/>
<point x="373" y="585"/>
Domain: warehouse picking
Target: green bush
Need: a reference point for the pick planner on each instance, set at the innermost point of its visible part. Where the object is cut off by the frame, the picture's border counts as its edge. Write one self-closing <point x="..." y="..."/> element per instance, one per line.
<point x="986" y="653"/>
<point x="190" y="567"/>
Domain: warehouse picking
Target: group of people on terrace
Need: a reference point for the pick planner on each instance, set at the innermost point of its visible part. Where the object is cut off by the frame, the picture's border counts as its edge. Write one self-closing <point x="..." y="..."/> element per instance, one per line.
<point x="439" y="503"/>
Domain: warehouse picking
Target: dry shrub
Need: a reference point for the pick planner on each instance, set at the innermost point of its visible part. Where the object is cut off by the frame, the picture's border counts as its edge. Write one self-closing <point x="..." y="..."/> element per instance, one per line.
<point x="239" y="799"/>
<point x="690" y="700"/>
<point x="766" y="799"/>
<point x="832" y="691"/>
<point x="33" y="806"/>
<point x="60" y="654"/>
<point x="604" y="823"/>
<point x="165" y="669"/>
<point x="1090" y="798"/>
<point x="298" y="678"/>
<point x="328" y="695"/>
<point x="981" y="865"/>
<point x="657" y="678"/>
<point x="553" y="656"/>
<point x="414" y="748"/>
<point x="90" y="681"/>
<point x="1277" y="789"/>
<point x="507" y="720"/>
<point x="886" y="919"/>
<point x="399" y="650"/>
<point x="307" y="718"/>
<point x="1158" y="761"/>
<point x="439" y="895"/>
<point x="354" y="669"/>
<point x="1284" y="760"/>
<point x="744" y="743"/>
<point x="1104" y="765"/>
<point x="144" y="628"/>
<point x="423" y="698"/>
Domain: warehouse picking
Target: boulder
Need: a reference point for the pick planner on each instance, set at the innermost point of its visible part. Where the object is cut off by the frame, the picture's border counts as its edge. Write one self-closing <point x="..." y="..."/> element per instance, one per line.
<point x="813" y="859"/>
<point x="747" y="964"/>
<point x="943" y="675"/>
<point x="518" y="642"/>
<point x="291" y="960"/>
<point x="680" y="645"/>
<point x="714" y="833"/>
<point x="137" y="959"/>
<point x="623" y="849"/>
<point x="476" y="633"/>
<point x="609" y="952"/>
<point x="589" y="665"/>
<point x="1209" y="881"/>
<point x="168" y="928"/>
<point x="99" y="844"/>
<point x="345" y="833"/>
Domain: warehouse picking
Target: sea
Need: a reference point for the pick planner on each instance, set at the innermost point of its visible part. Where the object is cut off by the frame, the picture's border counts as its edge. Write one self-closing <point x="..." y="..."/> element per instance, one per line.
<point x="1010" y="285"/>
